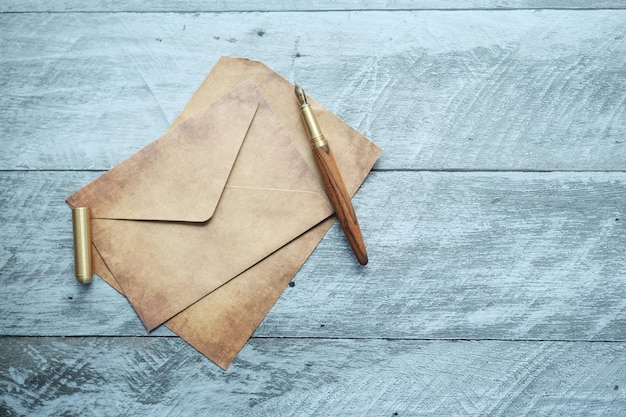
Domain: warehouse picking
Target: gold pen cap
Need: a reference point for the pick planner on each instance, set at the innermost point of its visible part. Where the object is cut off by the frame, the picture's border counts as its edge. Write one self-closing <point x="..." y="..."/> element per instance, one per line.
<point x="81" y="224"/>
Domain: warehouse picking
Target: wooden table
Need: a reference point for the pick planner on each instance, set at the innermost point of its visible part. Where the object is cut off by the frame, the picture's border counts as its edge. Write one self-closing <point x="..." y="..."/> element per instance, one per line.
<point x="495" y="218"/>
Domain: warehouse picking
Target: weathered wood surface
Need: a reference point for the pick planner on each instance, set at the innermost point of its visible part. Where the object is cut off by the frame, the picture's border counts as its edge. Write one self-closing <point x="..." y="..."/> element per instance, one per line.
<point x="507" y="90"/>
<point x="492" y="289"/>
<point x="21" y="6"/>
<point x="313" y="377"/>
<point x="453" y="255"/>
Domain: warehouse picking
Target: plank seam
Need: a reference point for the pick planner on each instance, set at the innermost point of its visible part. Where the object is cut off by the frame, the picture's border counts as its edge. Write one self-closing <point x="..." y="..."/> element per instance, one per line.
<point x="444" y="170"/>
<point x="376" y="10"/>
<point x="338" y="338"/>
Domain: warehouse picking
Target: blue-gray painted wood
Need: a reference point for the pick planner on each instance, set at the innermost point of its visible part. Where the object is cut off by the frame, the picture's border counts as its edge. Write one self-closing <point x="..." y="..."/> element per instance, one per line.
<point x="453" y="255"/>
<point x="488" y="90"/>
<point x="492" y="289"/>
<point x="187" y="6"/>
<point x="313" y="377"/>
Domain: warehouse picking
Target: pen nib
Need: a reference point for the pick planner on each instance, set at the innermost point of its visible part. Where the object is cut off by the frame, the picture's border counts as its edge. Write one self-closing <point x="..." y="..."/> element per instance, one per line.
<point x="300" y="95"/>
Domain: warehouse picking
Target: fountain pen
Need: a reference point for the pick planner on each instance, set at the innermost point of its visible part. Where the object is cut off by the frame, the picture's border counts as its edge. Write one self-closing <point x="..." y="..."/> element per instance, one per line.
<point x="335" y="187"/>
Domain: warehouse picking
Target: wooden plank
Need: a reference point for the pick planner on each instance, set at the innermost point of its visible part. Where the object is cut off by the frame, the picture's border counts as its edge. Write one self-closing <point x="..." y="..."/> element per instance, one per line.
<point x="471" y="255"/>
<point x="22" y="6"/>
<point x="150" y="376"/>
<point x="456" y="90"/>
<point x="452" y="255"/>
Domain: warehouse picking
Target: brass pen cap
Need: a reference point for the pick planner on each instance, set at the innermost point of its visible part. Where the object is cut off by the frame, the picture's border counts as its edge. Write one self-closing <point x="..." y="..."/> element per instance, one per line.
<point x="81" y="225"/>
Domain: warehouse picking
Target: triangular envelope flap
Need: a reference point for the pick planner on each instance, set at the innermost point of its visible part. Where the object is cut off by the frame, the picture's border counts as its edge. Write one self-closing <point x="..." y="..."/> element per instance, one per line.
<point x="181" y="175"/>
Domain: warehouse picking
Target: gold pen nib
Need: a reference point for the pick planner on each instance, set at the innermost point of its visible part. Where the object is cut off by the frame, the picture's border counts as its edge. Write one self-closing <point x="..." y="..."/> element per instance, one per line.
<point x="300" y="95"/>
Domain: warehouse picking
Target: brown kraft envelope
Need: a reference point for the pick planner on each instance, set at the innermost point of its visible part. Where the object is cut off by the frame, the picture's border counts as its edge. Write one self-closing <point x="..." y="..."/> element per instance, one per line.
<point x="203" y="229"/>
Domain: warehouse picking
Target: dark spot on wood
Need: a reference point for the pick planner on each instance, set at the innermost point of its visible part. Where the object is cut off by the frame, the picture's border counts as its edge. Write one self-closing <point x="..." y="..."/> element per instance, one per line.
<point x="217" y="38"/>
<point x="322" y="325"/>
<point x="70" y="298"/>
<point x="395" y="414"/>
<point x="260" y="33"/>
<point x="292" y="284"/>
<point x="615" y="388"/>
<point x="297" y="55"/>
<point x="159" y="39"/>
<point x="308" y="365"/>
<point x="617" y="219"/>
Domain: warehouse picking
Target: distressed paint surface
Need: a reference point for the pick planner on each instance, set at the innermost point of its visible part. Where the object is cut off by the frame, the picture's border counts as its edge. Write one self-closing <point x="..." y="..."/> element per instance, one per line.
<point x="453" y="255"/>
<point x="478" y="90"/>
<point x="301" y="5"/>
<point x="312" y="377"/>
<point x="494" y="287"/>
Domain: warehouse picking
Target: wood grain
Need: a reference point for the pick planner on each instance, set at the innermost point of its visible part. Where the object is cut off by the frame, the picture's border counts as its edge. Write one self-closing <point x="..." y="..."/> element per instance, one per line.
<point x="492" y="288"/>
<point x="188" y="6"/>
<point x="452" y="255"/>
<point x="304" y="377"/>
<point x="340" y="199"/>
<point x="453" y="90"/>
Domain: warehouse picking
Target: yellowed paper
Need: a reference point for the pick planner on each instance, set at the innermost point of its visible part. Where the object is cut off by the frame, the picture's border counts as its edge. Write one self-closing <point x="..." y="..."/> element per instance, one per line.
<point x="210" y="259"/>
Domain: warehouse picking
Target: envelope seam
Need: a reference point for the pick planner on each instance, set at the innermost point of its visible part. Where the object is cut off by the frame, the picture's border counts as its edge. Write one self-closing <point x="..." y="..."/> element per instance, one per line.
<point x="281" y="190"/>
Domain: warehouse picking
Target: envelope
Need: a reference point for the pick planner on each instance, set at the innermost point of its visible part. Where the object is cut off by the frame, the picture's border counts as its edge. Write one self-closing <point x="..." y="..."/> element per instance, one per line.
<point x="204" y="228"/>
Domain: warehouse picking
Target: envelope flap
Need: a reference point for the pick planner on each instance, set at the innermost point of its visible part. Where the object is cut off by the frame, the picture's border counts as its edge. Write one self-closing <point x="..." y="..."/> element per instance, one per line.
<point x="181" y="175"/>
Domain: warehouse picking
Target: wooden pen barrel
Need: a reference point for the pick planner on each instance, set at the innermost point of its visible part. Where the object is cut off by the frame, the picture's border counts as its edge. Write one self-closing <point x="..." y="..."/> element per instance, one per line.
<point x="339" y="198"/>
